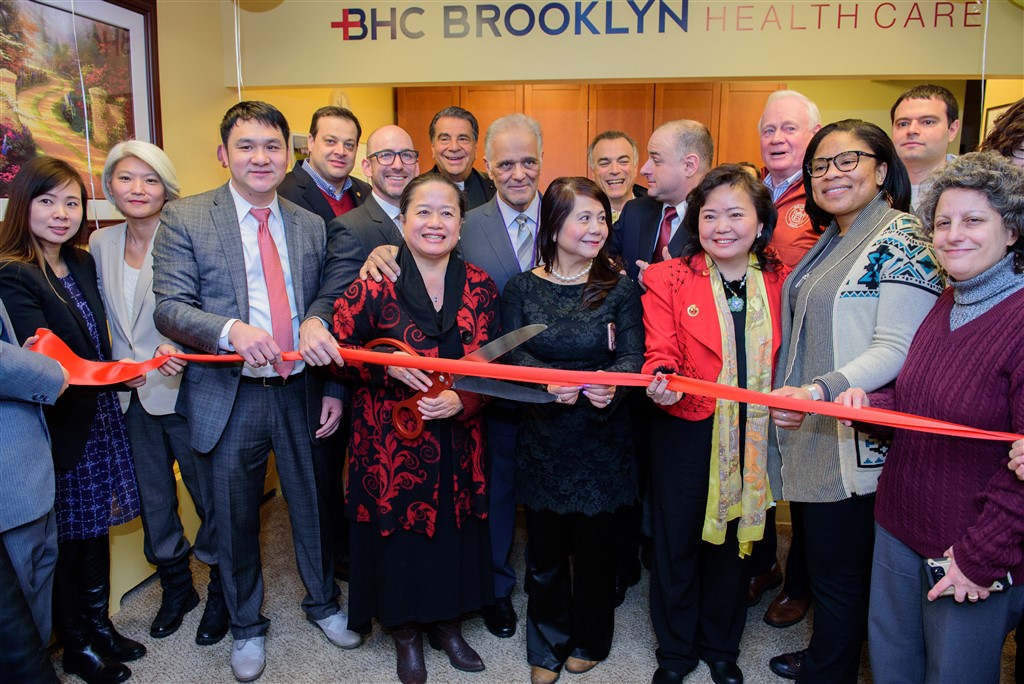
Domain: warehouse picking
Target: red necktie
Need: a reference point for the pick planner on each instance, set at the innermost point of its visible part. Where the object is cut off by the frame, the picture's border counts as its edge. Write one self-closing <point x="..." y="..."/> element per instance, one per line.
<point x="280" y="311"/>
<point x="664" y="234"/>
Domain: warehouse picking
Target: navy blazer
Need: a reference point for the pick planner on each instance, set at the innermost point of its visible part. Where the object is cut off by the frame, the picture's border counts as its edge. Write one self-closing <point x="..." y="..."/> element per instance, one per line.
<point x="635" y="234"/>
<point x="299" y="188"/>
<point x="350" y="239"/>
<point x="35" y="300"/>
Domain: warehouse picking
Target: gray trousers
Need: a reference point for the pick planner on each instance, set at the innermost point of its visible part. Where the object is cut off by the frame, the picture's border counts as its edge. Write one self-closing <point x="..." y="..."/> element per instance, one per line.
<point x="914" y="640"/>
<point x="32" y="548"/>
<point x="265" y="418"/>
<point x="157" y="442"/>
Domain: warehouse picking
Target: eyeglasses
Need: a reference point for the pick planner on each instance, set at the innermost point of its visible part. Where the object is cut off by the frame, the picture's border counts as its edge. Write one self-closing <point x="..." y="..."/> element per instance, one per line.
<point x="387" y="157"/>
<point x="844" y="161"/>
<point x="1018" y="151"/>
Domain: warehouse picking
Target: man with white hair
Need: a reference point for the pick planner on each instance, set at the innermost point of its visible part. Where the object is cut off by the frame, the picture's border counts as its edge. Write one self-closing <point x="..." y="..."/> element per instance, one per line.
<point x="786" y="127"/>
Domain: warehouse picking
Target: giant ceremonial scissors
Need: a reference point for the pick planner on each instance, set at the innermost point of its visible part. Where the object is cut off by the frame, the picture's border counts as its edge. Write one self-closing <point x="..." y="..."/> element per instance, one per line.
<point x="406" y="415"/>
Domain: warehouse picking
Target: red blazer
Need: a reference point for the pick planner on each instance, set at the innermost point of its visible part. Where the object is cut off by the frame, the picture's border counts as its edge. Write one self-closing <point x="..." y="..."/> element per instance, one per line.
<point x="794" y="233"/>
<point x="682" y="326"/>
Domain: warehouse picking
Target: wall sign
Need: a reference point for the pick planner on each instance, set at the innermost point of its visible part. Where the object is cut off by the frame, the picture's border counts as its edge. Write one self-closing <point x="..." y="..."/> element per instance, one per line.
<point x="436" y="41"/>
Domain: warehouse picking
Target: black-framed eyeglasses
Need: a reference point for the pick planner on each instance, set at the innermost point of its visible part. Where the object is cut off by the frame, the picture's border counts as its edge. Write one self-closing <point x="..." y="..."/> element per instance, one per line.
<point x="387" y="157"/>
<point x="1018" y="151"/>
<point x="844" y="161"/>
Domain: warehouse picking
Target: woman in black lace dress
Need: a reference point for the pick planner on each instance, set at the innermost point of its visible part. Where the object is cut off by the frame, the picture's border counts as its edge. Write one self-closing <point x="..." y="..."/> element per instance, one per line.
<point x="575" y="465"/>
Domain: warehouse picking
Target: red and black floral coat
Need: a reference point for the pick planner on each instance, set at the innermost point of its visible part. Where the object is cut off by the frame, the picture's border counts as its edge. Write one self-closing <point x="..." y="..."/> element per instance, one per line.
<point x="392" y="482"/>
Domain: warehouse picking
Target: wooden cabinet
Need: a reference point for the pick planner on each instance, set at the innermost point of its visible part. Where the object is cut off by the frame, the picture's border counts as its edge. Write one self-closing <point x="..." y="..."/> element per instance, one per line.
<point x="742" y="104"/>
<point x="572" y="114"/>
<point x="412" y="106"/>
<point x="561" y="110"/>
<point x="627" y="107"/>
<point x="730" y="110"/>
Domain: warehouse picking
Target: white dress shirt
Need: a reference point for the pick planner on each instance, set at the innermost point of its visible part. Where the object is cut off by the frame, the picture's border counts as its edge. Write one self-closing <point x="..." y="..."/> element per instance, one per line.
<point x="509" y="216"/>
<point x="256" y="283"/>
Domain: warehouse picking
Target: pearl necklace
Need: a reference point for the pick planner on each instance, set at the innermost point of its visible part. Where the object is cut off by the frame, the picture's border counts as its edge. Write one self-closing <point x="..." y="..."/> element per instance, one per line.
<point x="572" y="278"/>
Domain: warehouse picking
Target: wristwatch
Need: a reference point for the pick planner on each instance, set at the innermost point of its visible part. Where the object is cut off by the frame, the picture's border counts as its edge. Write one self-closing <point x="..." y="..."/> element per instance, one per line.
<point x="815" y="391"/>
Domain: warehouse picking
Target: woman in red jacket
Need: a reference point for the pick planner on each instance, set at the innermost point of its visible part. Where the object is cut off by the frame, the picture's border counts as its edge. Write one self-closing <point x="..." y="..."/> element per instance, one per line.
<point x="713" y="314"/>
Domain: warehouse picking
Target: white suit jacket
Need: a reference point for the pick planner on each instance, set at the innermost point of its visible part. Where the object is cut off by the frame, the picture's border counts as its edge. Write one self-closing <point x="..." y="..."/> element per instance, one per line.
<point x="132" y="333"/>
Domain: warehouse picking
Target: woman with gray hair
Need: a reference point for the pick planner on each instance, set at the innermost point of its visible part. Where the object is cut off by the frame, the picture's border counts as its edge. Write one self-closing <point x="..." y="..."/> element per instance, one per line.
<point x="947" y="508"/>
<point x="138" y="179"/>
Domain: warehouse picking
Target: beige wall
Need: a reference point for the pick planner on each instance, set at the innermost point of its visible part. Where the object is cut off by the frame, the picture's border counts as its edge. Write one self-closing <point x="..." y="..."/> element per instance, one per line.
<point x="868" y="100"/>
<point x="193" y="97"/>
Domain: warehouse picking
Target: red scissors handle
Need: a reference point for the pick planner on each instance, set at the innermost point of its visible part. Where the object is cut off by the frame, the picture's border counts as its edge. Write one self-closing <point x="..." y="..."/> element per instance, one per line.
<point x="405" y="415"/>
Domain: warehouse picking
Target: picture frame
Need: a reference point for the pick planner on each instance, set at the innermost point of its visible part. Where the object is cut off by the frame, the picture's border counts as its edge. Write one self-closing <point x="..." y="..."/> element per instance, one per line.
<point x="86" y="79"/>
<point x="991" y="114"/>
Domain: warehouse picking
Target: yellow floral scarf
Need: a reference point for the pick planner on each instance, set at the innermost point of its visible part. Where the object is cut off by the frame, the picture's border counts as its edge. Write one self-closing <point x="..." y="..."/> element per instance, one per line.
<point x="740" y="490"/>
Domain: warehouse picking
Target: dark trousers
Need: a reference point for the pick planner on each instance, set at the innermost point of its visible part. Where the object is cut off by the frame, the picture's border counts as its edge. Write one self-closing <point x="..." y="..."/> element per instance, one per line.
<point x="23" y="656"/>
<point x="265" y="418"/>
<point x="840" y="542"/>
<point x="766" y="551"/>
<point x="571" y="609"/>
<point x="698" y="590"/>
<point x="502" y="428"/>
<point x="629" y="519"/>
<point x="157" y="442"/>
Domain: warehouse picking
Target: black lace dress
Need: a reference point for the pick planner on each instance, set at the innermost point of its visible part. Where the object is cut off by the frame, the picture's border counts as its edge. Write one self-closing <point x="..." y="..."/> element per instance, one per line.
<point x="575" y="458"/>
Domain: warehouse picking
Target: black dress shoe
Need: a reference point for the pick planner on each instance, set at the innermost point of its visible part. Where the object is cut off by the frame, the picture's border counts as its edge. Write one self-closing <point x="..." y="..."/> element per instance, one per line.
<point x="94" y="668"/>
<point x="500" y="619"/>
<point x="787" y="665"/>
<point x="724" y="672"/>
<point x="214" y="623"/>
<point x="173" y="608"/>
<point x="665" y="676"/>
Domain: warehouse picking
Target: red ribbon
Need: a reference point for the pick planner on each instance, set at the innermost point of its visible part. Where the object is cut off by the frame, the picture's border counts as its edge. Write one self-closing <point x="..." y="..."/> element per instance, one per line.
<point x="85" y="372"/>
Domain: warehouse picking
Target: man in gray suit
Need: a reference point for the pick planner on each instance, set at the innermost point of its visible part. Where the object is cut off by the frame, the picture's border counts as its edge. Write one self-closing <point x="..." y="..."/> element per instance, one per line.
<point x="234" y="269"/>
<point x="499" y="238"/>
<point x="28" y="526"/>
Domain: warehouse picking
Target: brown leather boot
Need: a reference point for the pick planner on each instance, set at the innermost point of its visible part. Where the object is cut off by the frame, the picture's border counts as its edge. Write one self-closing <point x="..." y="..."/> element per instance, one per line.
<point x="448" y="636"/>
<point x="409" y="649"/>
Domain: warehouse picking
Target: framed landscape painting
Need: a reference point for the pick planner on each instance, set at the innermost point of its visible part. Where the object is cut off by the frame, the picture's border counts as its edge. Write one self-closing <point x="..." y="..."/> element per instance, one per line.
<point x="75" y="80"/>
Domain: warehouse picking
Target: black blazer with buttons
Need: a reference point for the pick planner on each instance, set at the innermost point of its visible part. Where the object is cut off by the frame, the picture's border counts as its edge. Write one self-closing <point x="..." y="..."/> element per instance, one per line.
<point x="35" y="300"/>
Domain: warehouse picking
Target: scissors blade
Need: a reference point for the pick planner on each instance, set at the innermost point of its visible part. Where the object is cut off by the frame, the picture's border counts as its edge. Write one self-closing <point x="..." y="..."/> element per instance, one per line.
<point x="505" y="343"/>
<point x="504" y="390"/>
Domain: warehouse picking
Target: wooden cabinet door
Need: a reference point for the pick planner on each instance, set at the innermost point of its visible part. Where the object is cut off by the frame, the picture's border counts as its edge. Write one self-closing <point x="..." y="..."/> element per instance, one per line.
<point x="696" y="101"/>
<point x="627" y="107"/>
<point x="416" y="107"/>
<point x="742" y="105"/>
<point x="490" y="102"/>
<point x="561" y="109"/>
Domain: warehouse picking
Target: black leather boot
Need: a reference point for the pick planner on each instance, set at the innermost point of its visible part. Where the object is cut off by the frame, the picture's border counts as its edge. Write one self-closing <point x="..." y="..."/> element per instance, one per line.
<point x="79" y="658"/>
<point x="179" y="597"/>
<point x="214" y="624"/>
<point x="94" y="571"/>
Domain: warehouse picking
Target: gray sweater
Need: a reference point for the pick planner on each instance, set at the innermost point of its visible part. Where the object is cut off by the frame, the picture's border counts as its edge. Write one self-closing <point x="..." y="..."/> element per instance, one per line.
<point x="855" y="316"/>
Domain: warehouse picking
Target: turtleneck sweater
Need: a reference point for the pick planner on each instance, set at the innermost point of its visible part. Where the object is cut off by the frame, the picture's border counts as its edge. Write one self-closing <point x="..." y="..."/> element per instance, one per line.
<point x="965" y="365"/>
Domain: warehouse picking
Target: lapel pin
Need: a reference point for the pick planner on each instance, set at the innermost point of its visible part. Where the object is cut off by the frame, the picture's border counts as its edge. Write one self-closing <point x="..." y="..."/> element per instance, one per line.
<point x="692" y="310"/>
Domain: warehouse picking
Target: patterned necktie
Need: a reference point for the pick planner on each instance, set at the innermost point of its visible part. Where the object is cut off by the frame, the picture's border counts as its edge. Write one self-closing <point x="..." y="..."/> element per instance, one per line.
<point x="524" y="246"/>
<point x="280" y="311"/>
<point x="664" y="235"/>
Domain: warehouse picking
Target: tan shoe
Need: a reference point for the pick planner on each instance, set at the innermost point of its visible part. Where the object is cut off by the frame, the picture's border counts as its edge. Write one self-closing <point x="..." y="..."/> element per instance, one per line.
<point x="578" y="665"/>
<point x="541" y="675"/>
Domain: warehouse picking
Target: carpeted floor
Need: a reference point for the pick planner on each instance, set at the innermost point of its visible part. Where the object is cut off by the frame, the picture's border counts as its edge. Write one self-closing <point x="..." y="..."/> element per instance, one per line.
<point x="297" y="652"/>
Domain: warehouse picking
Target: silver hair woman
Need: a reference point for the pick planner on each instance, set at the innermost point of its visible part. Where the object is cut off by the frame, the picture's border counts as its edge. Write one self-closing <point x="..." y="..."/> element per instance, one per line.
<point x="139" y="179"/>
